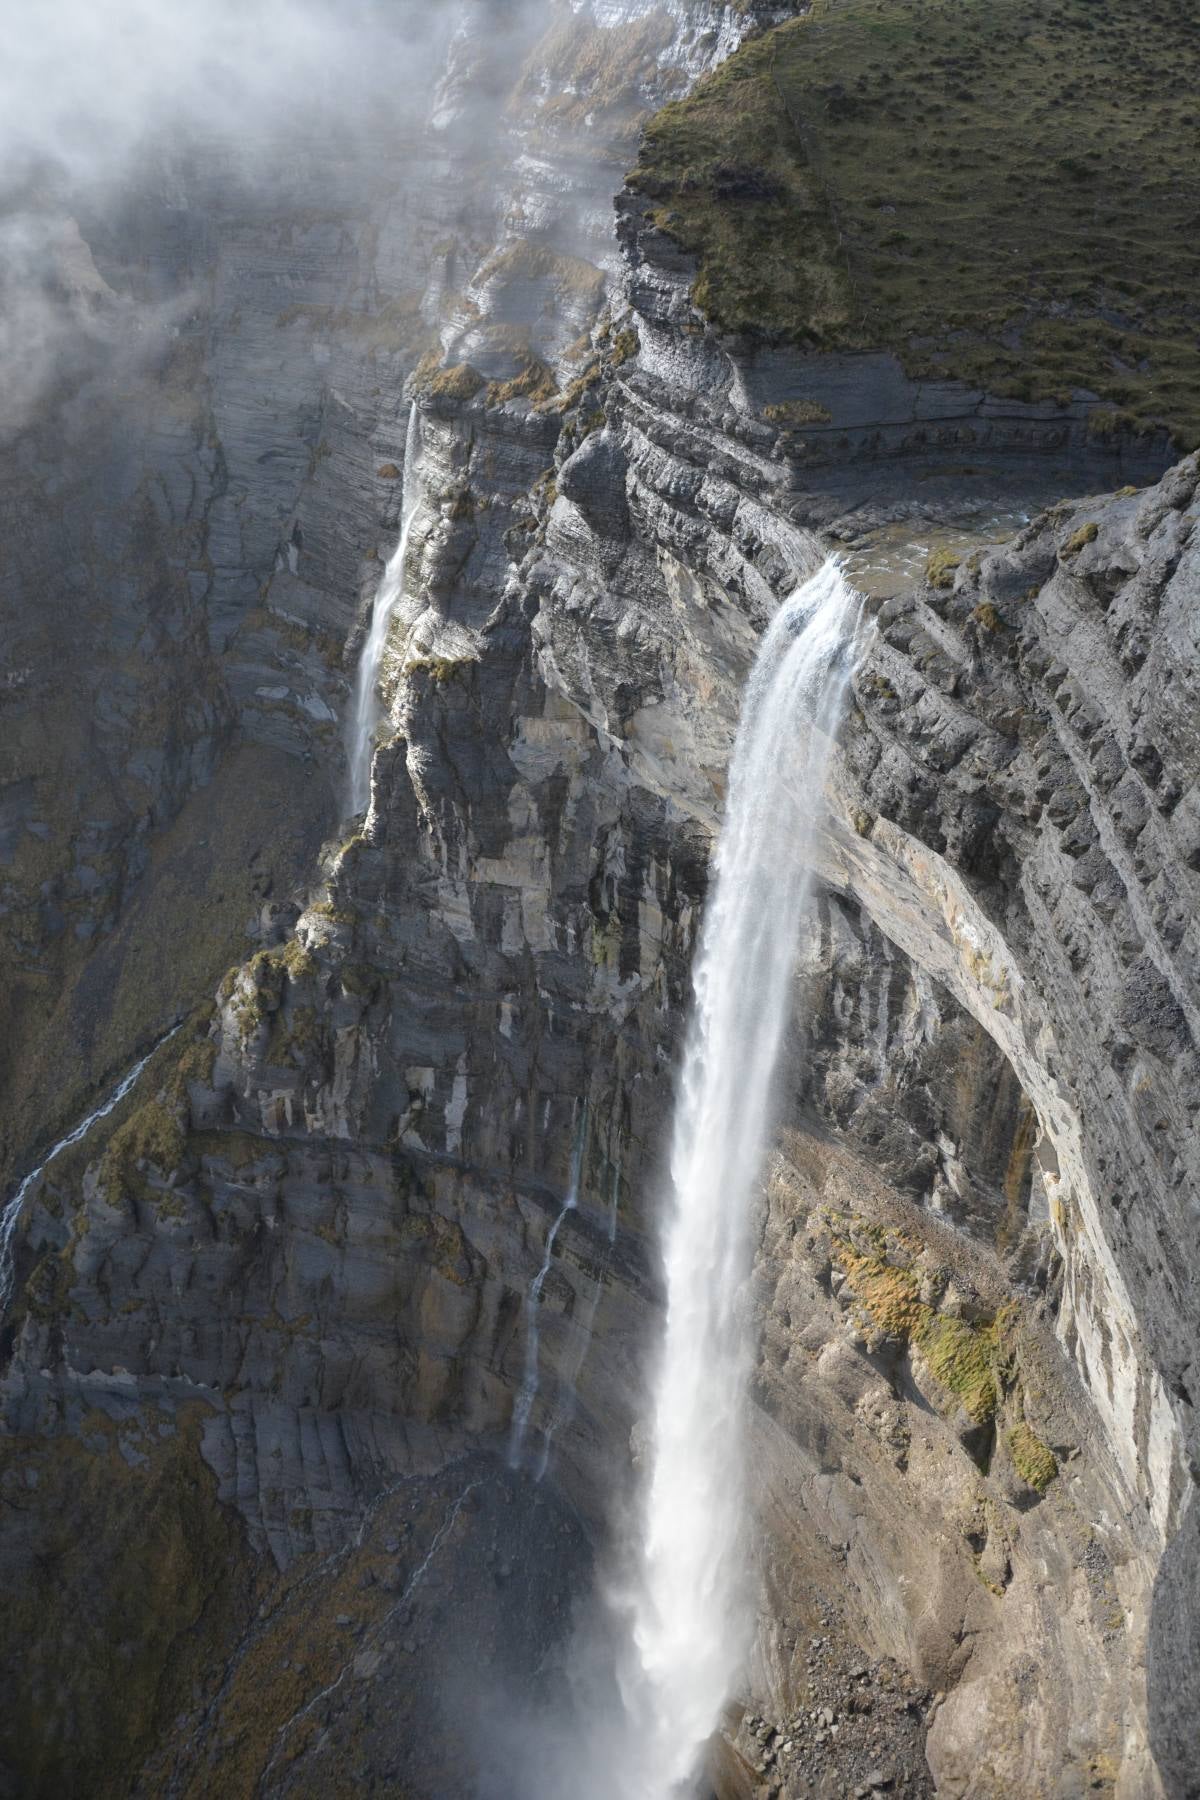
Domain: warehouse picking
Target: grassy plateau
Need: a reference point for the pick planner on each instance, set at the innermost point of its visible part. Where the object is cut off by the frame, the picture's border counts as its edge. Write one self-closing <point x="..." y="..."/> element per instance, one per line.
<point x="1002" y="191"/>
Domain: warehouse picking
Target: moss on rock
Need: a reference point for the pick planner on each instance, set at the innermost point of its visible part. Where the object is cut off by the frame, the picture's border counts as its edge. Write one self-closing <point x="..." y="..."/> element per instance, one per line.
<point x="941" y="568"/>
<point x="962" y="1357"/>
<point x="534" y="381"/>
<point x="1079" y="540"/>
<point x="975" y="1363"/>
<point x="153" y="1134"/>
<point x="1033" y="1460"/>
<point x="797" y="412"/>
<point x="461" y="381"/>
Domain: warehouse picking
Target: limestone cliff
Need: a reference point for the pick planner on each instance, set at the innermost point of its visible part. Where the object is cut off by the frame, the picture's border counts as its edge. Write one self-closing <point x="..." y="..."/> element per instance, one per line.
<point x="280" y="1295"/>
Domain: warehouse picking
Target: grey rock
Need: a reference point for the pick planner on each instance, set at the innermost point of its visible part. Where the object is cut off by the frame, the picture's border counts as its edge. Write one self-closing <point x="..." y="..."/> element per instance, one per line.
<point x="993" y="1063"/>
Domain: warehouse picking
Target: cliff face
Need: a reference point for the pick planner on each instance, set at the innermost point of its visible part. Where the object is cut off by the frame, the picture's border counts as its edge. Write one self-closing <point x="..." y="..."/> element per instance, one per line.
<point x="187" y="543"/>
<point x="289" y="1278"/>
<point x="197" y="512"/>
<point x="1013" y="849"/>
<point x="1056" y="744"/>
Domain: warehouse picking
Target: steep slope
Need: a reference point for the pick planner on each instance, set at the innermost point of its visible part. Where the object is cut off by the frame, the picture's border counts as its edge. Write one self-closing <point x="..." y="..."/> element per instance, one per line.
<point x="230" y="504"/>
<point x="293" y="1270"/>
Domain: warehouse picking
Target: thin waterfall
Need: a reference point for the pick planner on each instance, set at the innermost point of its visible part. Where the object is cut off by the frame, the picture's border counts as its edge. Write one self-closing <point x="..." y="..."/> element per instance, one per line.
<point x="533" y="1301"/>
<point x="582" y="1328"/>
<point x="572" y="1369"/>
<point x="690" y="1607"/>
<point x="367" y="711"/>
<point x="12" y="1212"/>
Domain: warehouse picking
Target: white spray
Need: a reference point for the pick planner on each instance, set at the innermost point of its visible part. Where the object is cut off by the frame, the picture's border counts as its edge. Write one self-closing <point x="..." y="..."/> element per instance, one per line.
<point x="12" y="1212"/>
<point x="690" y="1606"/>
<point x="366" y="711"/>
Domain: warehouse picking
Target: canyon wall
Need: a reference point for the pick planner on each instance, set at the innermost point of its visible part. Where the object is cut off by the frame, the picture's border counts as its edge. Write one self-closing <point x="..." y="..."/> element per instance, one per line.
<point x="269" y="1322"/>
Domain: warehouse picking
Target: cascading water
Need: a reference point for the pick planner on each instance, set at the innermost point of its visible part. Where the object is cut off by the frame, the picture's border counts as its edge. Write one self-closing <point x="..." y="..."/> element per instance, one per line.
<point x="365" y="713"/>
<point x="582" y="1327"/>
<point x="533" y="1301"/>
<point x="689" y="1609"/>
<point x="12" y="1212"/>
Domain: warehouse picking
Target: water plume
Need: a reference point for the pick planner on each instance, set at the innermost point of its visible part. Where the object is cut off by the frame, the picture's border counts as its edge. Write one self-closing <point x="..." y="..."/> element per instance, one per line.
<point x="689" y="1609"/>
<point x="366" y="710"/>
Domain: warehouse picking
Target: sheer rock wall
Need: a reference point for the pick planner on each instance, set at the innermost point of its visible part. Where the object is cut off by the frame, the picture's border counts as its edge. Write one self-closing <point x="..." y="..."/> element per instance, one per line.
<point x="312" y="1232"/>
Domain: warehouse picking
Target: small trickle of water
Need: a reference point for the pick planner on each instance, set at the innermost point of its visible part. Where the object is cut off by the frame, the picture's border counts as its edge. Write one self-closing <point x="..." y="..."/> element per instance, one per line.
<point x="12" y="1212"/>
<point x="581" y="1330"/>
<point x="533" y="1300"/>
<point x="366" y="711"/>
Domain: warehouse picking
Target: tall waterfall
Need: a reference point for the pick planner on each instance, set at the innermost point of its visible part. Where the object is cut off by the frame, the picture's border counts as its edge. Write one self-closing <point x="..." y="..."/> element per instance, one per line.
<point x="690" y="1606"/>
<point x="365" y="714"/>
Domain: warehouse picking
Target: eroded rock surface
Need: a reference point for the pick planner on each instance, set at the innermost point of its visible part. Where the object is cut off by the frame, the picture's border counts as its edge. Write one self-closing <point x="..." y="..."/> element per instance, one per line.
<point x="301" y="1253"/>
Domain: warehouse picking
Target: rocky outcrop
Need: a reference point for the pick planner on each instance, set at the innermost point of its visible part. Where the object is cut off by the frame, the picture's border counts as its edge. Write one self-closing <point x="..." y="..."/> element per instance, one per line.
<point x="198" y="511"/>
<point x="1056" y="908"/>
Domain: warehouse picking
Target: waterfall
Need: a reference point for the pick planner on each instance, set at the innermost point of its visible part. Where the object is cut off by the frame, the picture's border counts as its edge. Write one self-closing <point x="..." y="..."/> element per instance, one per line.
<point x="533" y="1301"/>
<point x="366" y="711"/>
<point x="690" y="1612"/>
<point x="12" y="1212"/>
<point x="581" y="1328"/>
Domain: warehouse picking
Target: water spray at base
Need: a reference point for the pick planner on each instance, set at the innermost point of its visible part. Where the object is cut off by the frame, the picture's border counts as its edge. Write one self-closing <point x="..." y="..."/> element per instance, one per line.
<point x="688" y="1612"/>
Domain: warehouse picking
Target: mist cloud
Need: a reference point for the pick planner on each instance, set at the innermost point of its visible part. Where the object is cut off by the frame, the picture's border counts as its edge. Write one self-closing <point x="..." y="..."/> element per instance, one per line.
<point x="85" y="85"/>
<point x="101" y="99"/>
<point x="55" y="309"/>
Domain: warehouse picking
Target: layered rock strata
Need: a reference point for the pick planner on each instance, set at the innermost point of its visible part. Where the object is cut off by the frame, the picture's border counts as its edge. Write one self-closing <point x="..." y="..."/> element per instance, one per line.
<point x="293" y="1275"/>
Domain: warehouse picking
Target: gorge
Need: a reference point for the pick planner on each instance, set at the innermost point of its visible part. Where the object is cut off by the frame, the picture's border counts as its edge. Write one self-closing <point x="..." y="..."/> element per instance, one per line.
<point x="429" y="1365"/>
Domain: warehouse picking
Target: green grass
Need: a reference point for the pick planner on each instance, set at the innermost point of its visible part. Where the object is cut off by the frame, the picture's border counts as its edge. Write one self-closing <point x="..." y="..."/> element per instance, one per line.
<point x="963" y="1357"/>
<point x="941" y="568"/>
<point x="1005" y="192"/>
<point x="1034" y="1461"/>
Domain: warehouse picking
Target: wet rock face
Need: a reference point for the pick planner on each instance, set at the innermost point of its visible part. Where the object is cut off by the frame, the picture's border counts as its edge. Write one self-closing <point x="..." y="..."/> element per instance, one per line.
<point x="1056" y="702"/>
<point x="316" y="1223"/>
